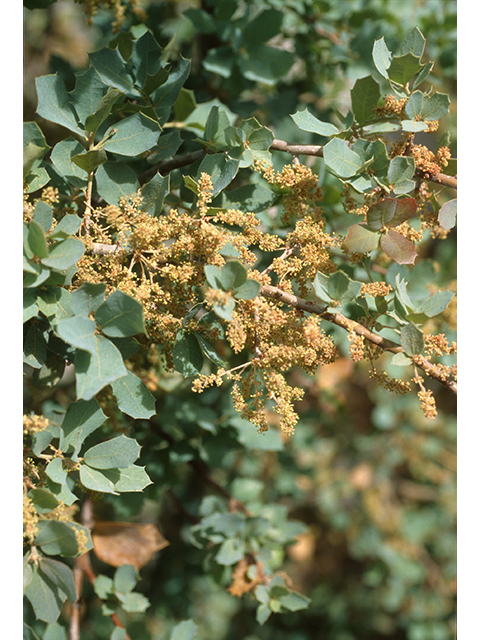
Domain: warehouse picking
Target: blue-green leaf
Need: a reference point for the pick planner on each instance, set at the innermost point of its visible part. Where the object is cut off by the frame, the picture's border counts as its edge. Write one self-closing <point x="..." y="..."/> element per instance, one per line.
<point x="134" y="135"/>
<point x="308" y="122"/>
<point x="133" y="397"/>
<point x="54" y="105"/>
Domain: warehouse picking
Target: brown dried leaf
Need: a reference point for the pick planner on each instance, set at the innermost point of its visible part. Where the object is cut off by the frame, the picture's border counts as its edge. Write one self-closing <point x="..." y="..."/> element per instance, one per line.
<point x="119" y="543"/>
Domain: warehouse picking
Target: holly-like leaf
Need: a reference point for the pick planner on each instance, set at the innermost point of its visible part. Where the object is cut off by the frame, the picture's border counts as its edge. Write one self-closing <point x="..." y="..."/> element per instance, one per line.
<point x="308" y="122"/>
<point x="54" y="104"/>
<point x="341" y="159"/>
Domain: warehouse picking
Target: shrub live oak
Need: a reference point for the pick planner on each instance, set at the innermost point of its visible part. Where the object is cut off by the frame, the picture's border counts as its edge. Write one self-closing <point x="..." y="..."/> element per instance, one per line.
<point x="148" y="269"/>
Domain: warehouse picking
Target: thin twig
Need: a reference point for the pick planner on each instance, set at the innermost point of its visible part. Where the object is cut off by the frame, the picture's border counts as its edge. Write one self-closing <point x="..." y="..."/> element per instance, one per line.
<point x="349" y="325"/>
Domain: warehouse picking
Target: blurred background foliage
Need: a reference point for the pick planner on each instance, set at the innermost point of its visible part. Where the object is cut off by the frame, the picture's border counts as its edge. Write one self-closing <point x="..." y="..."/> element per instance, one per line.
<point x="372" y="480"/>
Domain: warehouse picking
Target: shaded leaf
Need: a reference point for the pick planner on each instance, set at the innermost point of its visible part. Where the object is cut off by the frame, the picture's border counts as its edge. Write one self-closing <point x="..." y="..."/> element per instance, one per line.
<point x="187" y="354"/>
<point x="365" y="96"/>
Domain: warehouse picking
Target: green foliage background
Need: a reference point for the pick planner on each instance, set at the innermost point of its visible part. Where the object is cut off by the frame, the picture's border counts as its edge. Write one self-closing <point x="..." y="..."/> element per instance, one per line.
<point x="358" y="507"/>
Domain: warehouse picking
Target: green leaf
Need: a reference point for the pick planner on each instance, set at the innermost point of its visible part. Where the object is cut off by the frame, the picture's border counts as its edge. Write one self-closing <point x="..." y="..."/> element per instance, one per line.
<point x="55" y="632"/>
<point x="382" y="57"/>
<point x="414" y="42"/>
<point x="58" y="538"/>
<point x="220" y="60"/>
<point x="365" y="96"/>
<point x="132" y="478"/>
<point x="133" y="397"/>
<point x="264" y="64"/>
<point x="404" y="67"/>
<point x="220" y="168"/>
<point x="78" y="331"/>
<point x="415" y="104"/>
<point x="203" y="21"/>
<point x="62" y="157"/>
<point x="248" y="290"/>
<point x="411" y="339"/>
<point x="112" y="69"/>
<point x="125" y="579"/>
<point x="36" y="239"/>
<point x="398" y="247"/>
<point x="44" y="596"/>
<point x="61" y="575"/>
<point x="43" y="500"/>
<point x="341" y="159"/>
<point x="436" y="106"/>
<point x="413" y="126"/>
<point x="97" y="480"/>
<point x="112" y="454"/>
<point x="68" y="226"/>
<point x="64" y="254"/>
<point x="90" y="160"/>
<point x="209" y="351"/>
<point x="307" y="122"/>
<point x="187" y="354"/>
<point x="167" y="145"/>
<point x="54" y="105"/>
<point x="35" y="348"/>
<point x="361" y="239"/>
<point x="437" y="303"/>
<point x="186" y="630"/>
<point x="43" y="215"/>
<point x="253" y="197"/>
<point x="134" y="135"/>
<point x="401" y="169"/>
<point x="294" y="601"/>
<point x="233" y="274"/>
<point x="231" y="551"/>
<point x="120" y="316"/>
<point x="94" y="371"/>
<point x="154" y="193"/>
<point x="215" y="126"/>
<point x="81" y="419"/>
<point x="34" y="146"/>
<point x="134" y="602"/>
<point x="116" y="180"/>
<point x="264" y="26"/>
<point x="447" y="216"/>
<point x="263" y="613"/>
<point x="87" y="298"/>
<point x="88" y="92"/>
<point x="103" y="110"/>
<point x="166" y="95"/>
